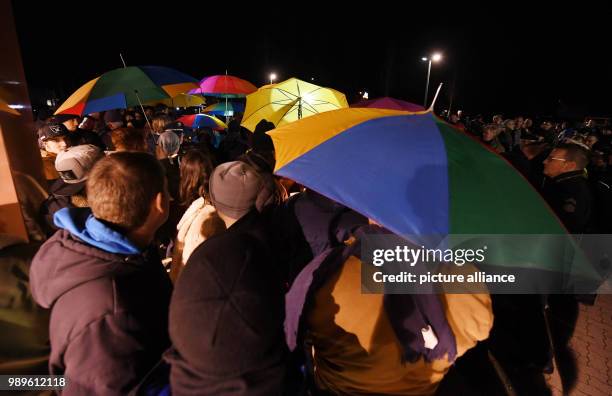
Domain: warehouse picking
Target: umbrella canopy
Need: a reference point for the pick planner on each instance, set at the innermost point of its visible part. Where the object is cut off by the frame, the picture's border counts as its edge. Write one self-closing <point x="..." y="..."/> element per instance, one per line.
<point x="224" y="109"/>
<point x="419" y="176"/>
<point x="181" y="100"/>
<point x="202" y="121"/>
<point x="224" y="86"/>
<point x="389" y="104"/>
<point x="7" y="109"/>
<point x="412" y="173"/>
<point x="127" y="87"/>
<point x="288" y="101"/>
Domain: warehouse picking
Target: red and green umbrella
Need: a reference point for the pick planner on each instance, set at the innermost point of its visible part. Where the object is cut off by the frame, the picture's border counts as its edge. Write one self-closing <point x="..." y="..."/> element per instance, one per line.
<point x="224" y="86"/>
<point x="202" y="121"/>
<point x="127" y="87"/>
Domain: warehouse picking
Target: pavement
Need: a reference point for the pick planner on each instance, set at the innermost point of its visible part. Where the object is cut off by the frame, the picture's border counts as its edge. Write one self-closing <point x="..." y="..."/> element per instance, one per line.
<point x="593" y="350"/>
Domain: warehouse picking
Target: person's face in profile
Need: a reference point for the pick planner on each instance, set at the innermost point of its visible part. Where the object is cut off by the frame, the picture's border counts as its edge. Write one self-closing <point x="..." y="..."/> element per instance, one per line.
<point x="72" y="124"/>
<point x="557" y="163"/>
<point x="55" y="146"/>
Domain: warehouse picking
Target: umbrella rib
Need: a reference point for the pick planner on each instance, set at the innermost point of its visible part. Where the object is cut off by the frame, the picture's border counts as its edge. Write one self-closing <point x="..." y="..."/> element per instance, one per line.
<point x="305" y="103"/>
<point x="286" y="93"/>
<point x="326" y="102"/>
<point x="293" y="108"/>
<point x="267" y="104"/>
<point x="289" y="111"/>
<point x="315" y="90"/>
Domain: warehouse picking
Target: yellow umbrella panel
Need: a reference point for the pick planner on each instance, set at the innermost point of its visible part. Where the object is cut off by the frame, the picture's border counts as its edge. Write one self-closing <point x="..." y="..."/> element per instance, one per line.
<point x="181" y="100"/>
<point x="289" y="101"/>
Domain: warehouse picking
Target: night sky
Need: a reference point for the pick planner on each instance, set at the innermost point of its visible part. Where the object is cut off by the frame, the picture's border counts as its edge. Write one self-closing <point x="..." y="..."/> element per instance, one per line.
<point x="495" y="62"/>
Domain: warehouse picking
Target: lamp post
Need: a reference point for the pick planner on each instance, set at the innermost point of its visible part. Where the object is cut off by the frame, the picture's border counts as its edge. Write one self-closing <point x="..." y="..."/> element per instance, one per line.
<point x="272" y="77"/>
<point x="434" y="58"/>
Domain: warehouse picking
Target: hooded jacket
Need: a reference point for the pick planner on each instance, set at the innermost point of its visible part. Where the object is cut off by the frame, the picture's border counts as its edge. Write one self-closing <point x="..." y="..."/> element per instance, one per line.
<point x="109" y="305"/>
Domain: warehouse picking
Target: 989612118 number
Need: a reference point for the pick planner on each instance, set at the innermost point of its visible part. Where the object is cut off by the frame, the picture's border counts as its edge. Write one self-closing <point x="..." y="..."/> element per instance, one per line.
<point x="32" y="382"/>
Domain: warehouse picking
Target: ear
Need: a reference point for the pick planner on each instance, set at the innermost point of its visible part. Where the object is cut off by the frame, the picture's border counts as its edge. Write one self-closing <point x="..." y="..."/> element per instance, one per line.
<point x="158" y="203"/>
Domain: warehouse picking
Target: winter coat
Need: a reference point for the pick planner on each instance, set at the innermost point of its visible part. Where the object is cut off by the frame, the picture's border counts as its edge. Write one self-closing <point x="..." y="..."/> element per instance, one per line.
<point x="109" y="305"/>
<point x="226" y="316"/>
<point x="570" y="197"/>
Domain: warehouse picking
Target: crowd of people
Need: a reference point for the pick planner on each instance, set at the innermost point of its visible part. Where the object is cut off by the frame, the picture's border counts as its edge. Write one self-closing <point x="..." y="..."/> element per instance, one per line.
<point x="174" y="260"/>
<point x="569" y="163"/>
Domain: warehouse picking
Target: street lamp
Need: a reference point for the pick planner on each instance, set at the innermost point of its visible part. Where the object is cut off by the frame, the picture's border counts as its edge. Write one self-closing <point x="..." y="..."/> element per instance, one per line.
<point x="272" y="77"/>
<point x="434" y="58"/>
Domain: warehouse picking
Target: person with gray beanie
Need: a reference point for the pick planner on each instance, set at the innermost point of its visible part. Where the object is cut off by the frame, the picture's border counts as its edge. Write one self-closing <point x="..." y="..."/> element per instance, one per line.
<point x="227" y="310"/>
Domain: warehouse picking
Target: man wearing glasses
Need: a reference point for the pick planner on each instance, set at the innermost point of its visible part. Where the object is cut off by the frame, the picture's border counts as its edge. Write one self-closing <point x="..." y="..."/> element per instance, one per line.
<point x="566" y="189"/>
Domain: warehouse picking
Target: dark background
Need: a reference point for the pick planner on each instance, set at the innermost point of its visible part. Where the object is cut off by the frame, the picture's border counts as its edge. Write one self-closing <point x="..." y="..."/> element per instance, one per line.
<point x="494" y="61"/>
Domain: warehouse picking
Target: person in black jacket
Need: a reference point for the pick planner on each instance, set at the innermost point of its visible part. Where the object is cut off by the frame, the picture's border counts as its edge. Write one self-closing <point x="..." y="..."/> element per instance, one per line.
<point x="106" y="288"/>
<point x="227" y="312"/>
<point x="567" y="190"/>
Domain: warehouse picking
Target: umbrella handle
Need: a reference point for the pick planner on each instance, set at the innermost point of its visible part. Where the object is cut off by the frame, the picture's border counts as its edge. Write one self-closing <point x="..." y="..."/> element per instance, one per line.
<point x="431" y="108"/>
<point x="144" y="113"/>
<point x="138" y="97"/>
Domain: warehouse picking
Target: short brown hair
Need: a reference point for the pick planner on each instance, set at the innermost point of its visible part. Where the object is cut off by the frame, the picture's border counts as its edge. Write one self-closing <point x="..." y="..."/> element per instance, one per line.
<point x="129" y="139"/>
<point x="160" y="122"/>
<point x="121" y="187"/>
<point x="575" y="153"/>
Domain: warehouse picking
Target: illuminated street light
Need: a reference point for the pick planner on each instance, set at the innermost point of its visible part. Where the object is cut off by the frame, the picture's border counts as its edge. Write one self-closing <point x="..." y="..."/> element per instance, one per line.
<point x="434" y="58"/>
<point x="272" y="77"/>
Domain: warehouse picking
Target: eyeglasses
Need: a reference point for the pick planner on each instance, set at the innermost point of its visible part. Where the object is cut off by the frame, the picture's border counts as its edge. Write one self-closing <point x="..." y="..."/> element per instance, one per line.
<point x="557" y="159"/>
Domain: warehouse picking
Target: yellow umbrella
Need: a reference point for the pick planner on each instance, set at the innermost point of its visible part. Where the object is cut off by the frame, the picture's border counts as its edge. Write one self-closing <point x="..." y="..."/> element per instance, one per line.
<point x="289" y="101"/>
<point x="7" y="109"/>
<point x="181" y="100"/>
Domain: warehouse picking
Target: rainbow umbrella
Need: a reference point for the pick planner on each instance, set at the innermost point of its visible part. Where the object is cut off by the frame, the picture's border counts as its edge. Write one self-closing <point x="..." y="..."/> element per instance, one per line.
<point x="224" y="86"/>
<point x="389" y="104"/>
<point x="418" y="176"/>
<point x="127" y="87"/>
<point x="288" y="101"/>
<point x="224" y="109"/>
<point x="202" y="121"/>
<point x="410" y="172"/>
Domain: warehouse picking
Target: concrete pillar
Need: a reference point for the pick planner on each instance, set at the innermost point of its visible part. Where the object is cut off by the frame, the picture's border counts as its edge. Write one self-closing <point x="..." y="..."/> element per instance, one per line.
<point x="18" y="147"/>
